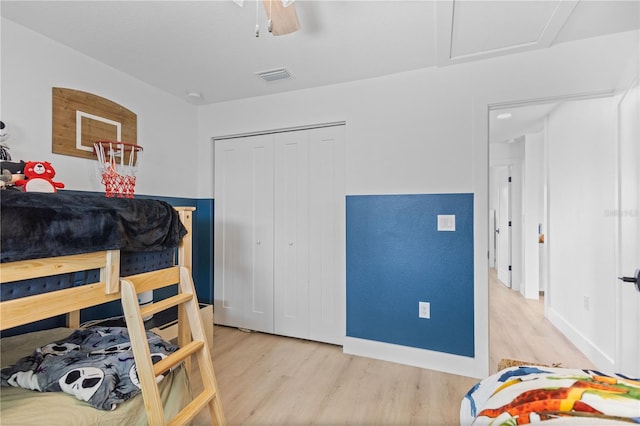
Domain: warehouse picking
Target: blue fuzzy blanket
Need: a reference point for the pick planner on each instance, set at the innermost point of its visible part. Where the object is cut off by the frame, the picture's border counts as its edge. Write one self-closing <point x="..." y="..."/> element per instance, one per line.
<point x="36" y="225"/>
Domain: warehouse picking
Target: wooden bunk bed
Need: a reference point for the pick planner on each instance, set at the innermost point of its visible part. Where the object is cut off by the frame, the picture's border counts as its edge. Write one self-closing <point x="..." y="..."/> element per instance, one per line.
<point x="158" y="399"/>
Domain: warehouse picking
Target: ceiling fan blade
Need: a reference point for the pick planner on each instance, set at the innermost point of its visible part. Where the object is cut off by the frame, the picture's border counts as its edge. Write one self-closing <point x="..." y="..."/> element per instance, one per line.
<point x="284" y="20"/>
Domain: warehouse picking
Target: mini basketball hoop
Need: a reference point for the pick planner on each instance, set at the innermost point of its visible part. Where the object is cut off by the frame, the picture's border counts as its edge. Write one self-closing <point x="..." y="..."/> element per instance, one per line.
<point x="118" y="163"/>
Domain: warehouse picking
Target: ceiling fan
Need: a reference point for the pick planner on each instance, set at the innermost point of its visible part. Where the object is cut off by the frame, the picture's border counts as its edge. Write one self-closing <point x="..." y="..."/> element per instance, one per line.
<point x="281" y="15"/>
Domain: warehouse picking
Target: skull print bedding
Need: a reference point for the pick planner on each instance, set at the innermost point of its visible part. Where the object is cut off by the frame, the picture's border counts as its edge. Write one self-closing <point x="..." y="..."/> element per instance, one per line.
<point x="95" y="365"/>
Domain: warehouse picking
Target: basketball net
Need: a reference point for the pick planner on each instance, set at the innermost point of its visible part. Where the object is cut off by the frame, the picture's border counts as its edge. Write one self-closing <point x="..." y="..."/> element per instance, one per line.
<point x="118" y="163"/>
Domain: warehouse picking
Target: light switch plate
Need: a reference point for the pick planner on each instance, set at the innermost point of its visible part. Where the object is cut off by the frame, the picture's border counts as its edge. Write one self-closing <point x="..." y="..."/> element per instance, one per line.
<point x="446" y="222"/>
<point x="424" y="310"/>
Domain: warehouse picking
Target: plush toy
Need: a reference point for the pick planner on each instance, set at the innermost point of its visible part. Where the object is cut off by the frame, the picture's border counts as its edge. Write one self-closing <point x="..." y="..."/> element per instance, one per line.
<point x="5" y="178"/>
<point x="4" y="135"/>
<point x="10" y="173"/>
<point x="39" y="177"/>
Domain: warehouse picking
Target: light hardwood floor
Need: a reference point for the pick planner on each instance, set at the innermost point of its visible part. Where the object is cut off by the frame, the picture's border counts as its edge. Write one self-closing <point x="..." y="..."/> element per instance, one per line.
<point x="273" y="380"/>
<point x="519" y="330"/>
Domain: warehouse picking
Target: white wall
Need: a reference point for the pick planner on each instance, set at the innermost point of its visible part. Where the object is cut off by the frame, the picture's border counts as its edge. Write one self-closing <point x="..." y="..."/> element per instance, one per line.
<point x="426" y="131"/>
<point x="581" y="237"/>
<point x="532" y="213"/>
<point x="167" y="129"/>
<point x="413" y="132"/>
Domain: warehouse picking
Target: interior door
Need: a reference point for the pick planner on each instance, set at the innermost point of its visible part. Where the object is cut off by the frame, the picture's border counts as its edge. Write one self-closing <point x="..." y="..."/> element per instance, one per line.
<point x="628" y="297"/>
<point x="243" y="237"/>
<point x="309" y="273"/>
<point x="327" y="274"/>
<point x="503" y="249"/>
<point x="291" y="286"/>
<point x="229" y="244"/>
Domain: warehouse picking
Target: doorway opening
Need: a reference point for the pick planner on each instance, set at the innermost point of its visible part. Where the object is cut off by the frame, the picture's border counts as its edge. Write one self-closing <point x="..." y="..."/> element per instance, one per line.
<point x="521" y="197"/>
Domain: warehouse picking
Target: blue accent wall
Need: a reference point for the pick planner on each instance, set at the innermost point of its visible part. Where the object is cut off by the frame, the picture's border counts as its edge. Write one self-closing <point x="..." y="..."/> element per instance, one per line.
<point x="203" y="258"/>
<point x="202" y="242"/>
<point x="396" y="257"/>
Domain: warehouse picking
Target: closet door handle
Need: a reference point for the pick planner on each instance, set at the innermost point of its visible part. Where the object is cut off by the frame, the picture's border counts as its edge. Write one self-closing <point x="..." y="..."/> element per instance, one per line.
<point x="258" y="242"/>
<point x="290" y="243"/>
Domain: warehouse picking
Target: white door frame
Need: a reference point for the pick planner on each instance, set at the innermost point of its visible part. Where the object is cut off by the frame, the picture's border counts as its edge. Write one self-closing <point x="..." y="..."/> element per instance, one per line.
<point x="627" y="299"/>
<point x="481" y="109"/>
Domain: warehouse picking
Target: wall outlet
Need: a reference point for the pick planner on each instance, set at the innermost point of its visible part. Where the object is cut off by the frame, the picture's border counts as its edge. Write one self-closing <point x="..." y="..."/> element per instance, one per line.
<point x="424" y="310"/>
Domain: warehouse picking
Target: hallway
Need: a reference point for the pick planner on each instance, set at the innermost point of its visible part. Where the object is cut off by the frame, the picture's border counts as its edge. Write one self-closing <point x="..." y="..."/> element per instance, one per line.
<point x="519" y="330"/>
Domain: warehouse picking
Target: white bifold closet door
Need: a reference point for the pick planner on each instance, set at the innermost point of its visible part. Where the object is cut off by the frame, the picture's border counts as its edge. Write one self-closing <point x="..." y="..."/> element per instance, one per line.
<point x="306" y="226"/>
<point x="243" y="243"/>
<point x="291" y="272"/>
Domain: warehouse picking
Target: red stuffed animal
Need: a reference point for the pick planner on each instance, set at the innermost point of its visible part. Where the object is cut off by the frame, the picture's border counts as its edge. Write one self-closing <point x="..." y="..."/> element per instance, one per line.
<point x="39" y="177"/>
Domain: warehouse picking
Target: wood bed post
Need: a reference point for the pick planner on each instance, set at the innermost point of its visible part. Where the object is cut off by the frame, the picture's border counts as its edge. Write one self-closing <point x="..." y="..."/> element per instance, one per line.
<point x="185" y="258"/>
<point x="185" y="246"/>
<point x="109" y="275"/>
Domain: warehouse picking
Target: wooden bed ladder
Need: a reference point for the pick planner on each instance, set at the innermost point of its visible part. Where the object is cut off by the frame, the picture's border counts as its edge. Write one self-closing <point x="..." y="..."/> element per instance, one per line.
<point x="198" y="346"/>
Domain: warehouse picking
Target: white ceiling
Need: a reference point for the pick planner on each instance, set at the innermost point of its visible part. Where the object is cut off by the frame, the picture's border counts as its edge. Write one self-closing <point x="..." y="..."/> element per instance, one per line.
<point x="523" y="119"/>
<point x="209" y="46"/>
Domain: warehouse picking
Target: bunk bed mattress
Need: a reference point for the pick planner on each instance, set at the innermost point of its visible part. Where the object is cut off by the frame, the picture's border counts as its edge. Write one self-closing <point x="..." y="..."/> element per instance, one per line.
<point x="131" y="263"/>
<point x="39" y="225"/>
<point x="23" y="407"/>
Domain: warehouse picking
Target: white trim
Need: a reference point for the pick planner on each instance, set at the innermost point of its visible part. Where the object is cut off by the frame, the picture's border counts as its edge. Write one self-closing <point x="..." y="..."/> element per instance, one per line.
<point x="591" y="351"/>
<point x="445" y="11"/>
<point x="281" y="130"/>
<point x="552" y="99"/>
<point x="422" y="358"/>
<point x="616" y="238"/>
<point x="80" y="115"/>
<point x="481" y="235"/>
<point x="444" y="28"/>
<point x="556" y="22"/>
<point x="546" y="256"/>
<point x="618" y="338"/>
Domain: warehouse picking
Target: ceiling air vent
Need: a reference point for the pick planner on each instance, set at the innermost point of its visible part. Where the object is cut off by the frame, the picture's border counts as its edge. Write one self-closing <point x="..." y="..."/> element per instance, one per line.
<point x="274" y="75"/>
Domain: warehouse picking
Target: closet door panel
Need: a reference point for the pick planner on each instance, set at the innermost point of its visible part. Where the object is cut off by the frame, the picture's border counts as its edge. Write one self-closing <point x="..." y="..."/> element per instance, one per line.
<point x="243" y="250"/>
<point x="291" y="287"/>
<point x="259" y="315"/>
<point x="231" y="249"/>
<point x="327" y="291"/>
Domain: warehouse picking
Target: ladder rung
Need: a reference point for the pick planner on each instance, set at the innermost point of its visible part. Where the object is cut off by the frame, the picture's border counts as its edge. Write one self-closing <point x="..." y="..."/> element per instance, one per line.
<point x="164" y="304"/>
<point x="177" y="357"/>
<point x="189" y="412"/>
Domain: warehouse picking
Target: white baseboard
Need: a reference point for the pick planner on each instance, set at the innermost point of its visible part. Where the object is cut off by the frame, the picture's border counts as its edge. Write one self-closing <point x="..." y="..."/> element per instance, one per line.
<point x="423" y="358"/>
<point x="588" y="348"/>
